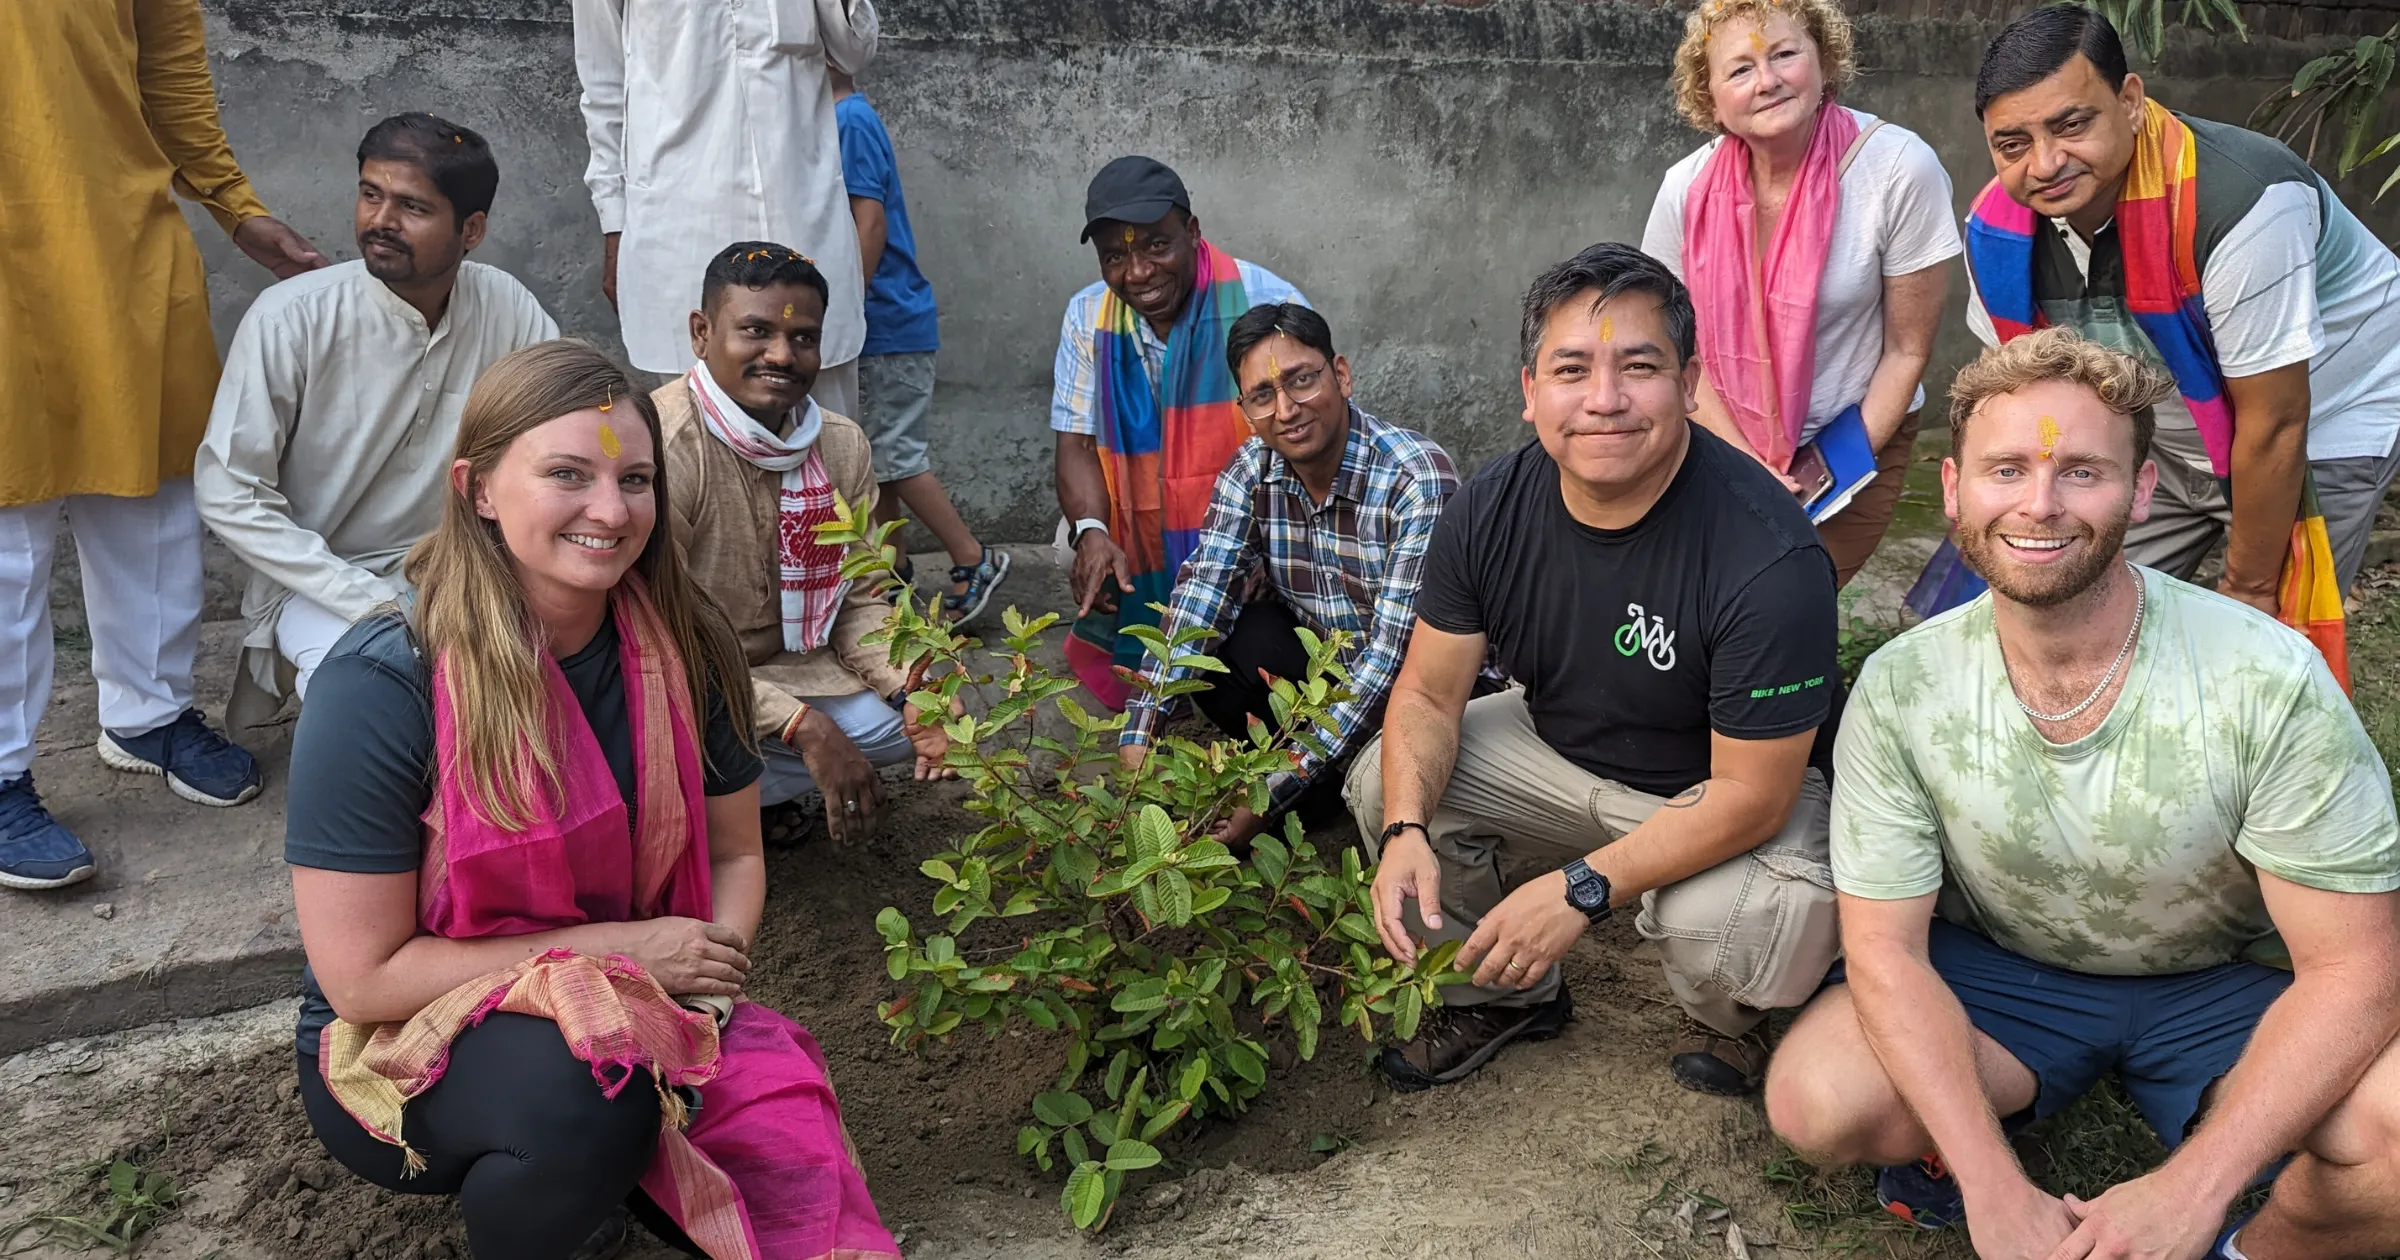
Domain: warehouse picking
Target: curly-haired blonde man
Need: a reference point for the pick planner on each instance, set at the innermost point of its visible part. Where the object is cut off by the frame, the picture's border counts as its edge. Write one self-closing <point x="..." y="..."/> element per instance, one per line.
<point x="2101" y="820"/>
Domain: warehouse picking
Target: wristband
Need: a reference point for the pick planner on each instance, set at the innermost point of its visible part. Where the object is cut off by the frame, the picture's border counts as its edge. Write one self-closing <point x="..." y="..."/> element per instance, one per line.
<point x="1392" y="832"/>
<point x="1075" y="531"/>
<point x="791" y="728"/>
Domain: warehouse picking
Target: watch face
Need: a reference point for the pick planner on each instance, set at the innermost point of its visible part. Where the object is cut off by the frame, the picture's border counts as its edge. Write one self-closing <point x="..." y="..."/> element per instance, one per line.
<point x="1586" y="892"/>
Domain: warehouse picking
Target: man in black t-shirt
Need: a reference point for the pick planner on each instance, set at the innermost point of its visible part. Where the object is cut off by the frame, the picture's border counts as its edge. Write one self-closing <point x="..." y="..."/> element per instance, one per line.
<point x="1668" y="616"/>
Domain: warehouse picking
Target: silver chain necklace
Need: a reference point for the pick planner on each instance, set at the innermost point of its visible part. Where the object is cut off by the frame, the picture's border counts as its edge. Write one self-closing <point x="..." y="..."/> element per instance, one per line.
<point x="2141" y="595"/>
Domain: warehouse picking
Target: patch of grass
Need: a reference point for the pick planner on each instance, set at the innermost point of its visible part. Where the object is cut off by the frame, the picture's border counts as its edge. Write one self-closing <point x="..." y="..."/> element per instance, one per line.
<point x="1639" y="1162"/>
<point x="131" y="1205"/>
<point x="2374" y="634"/>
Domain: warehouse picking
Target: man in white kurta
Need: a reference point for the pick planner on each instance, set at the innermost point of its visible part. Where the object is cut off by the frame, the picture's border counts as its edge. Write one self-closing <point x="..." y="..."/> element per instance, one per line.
<point x="728" y="136"/>
<point x="328" y="452"/>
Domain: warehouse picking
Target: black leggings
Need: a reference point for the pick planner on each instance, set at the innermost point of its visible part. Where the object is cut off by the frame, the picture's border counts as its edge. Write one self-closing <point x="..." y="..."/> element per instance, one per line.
<point x="521" y="1133"/>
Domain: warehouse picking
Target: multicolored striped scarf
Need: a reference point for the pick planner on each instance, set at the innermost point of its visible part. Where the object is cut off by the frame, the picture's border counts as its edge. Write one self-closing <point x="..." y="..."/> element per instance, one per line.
<point x="764" y="1170"/>
<point x="2157" y="214"/>
<point x="808" y="572"/>
<point x="1161" y="448"/>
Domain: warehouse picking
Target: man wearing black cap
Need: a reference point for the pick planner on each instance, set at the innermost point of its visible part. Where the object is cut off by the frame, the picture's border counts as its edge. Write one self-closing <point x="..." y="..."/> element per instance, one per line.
<point x="1144" y="405"/>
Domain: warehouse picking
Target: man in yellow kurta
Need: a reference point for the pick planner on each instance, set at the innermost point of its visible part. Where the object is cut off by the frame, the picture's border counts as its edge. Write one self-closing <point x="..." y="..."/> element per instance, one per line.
<point x="108" y="367"/>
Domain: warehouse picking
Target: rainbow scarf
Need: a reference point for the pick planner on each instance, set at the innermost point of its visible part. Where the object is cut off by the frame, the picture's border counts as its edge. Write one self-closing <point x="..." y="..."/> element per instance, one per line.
<point x="1161" y="450"/>
<point x="2156" y="216"/>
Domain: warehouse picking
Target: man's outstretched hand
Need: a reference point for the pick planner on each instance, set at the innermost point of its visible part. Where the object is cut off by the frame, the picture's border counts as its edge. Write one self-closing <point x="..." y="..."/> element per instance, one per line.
<point x="272" y="244"/>
<point x="1098" y="561"/>
<point x="1408" y="870"/>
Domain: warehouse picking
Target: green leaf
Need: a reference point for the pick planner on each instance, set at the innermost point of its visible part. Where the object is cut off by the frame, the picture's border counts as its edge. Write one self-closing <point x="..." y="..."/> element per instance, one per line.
<point x="1078" y="1151"/>
<point x="1086" y="1195"/>
<point x="943" y="1024"/>
<point x="1118" y="1066"/>
<point x="1104" y="1128"/>
<point x="1208" y="899"/>
<point x="1308" y="1015"/>
<point x="892" y="926"/>
<point x="1357" y="928"/>
<point x="1202" y="662"/>
<point x="935" y="868"/>
<point x="896" y="962"/>
<point x="940" y="950"/>
<point x="123" y="1180"/>
<point x="1131" y="1156"/>
<point x="1153" y="834"/>
<point x="1246" y="1062"/>
<point x="1165" y="1119"/>
<point x="1270" y="858"/>
<point x="1061" y="1109"/>
<point x="1174" y="897"/>
<point x="1408" y="1008"/>
<point x="1195" y="1075"/>
<point x="1074" y="865"/>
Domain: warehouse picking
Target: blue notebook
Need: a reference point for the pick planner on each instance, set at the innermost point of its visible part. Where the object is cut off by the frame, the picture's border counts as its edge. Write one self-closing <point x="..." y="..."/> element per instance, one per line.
<point x="1848" y="460"/>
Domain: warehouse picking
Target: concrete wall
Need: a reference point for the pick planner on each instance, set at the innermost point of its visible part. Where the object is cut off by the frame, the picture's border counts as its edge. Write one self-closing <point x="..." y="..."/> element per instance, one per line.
<point x="1409" y="163"/>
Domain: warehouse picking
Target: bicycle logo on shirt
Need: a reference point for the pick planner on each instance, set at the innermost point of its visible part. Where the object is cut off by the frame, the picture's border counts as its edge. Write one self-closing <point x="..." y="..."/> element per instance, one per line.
<point x="1651" y="636"/>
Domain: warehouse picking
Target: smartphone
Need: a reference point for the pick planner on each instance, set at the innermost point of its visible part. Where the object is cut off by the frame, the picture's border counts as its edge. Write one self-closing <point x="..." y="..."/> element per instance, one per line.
<point x="1814" y="475"/>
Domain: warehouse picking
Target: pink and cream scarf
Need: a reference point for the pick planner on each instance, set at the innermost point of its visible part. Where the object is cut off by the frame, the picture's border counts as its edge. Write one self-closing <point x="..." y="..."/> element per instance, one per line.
<point x="810" y="572"/>
<point x="1758" y="309"/>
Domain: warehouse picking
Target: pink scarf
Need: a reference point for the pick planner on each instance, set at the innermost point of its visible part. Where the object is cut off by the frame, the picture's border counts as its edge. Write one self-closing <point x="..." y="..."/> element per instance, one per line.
<point x="765" y="1170"/>
<point x="1758" y="322"/>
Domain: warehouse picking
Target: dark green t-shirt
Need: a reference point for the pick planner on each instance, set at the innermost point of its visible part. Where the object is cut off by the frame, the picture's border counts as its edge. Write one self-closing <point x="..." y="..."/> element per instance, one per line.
<point x="363" y="758"/>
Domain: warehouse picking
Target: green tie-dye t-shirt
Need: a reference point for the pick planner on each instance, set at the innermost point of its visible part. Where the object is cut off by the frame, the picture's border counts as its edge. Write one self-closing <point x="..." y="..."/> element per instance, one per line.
<point x="2122" y="853"/>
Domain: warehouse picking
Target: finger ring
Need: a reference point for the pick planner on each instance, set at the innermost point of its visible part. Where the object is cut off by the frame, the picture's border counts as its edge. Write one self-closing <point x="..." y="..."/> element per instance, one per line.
<point x="849" y="807"/>
<point x="1516" y="966"/>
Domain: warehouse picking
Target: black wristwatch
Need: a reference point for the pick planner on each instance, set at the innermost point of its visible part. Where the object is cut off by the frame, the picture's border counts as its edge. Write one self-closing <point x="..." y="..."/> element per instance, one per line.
<point x="1587" y="890"/>
<point x="1392" y="832"/>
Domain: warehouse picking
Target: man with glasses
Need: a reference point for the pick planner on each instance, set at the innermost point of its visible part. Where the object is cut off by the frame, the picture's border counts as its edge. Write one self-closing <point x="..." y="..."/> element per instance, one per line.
<point x="1144" y="406"/>
<point x="1336" y="507"/>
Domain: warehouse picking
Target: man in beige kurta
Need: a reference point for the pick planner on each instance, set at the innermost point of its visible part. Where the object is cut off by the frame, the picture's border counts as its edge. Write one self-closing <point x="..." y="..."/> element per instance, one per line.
<point x="830" y="705"/>
<point x="108" y="365"/>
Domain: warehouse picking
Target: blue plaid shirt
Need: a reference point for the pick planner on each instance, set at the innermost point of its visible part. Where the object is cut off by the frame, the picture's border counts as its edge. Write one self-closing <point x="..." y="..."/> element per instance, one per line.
<point x="1353" y="563"/>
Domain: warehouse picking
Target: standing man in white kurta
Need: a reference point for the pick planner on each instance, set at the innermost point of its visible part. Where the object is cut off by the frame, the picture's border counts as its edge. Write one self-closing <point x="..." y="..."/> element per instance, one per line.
<point x="727" y="136"/>
<point x="328" y="451"/>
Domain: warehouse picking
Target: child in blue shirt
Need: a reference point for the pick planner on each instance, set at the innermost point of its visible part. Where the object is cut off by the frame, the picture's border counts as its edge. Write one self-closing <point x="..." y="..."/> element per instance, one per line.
<point x="895" y="369"/>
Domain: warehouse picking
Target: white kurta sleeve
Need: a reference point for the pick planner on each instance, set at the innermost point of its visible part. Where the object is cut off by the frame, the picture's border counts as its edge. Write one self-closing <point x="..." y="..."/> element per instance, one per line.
<point x="237" y="474"/>
<point x="600" y="64"/>
<point x="849" y="29"/>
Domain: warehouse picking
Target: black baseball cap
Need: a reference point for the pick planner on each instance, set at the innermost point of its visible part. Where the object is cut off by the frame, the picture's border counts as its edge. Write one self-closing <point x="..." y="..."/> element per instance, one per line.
<point x="1133" y="190"/>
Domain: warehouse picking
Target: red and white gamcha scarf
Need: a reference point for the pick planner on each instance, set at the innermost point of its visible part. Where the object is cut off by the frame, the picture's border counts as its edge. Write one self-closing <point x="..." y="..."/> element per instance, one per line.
<point x="811" y="571"/>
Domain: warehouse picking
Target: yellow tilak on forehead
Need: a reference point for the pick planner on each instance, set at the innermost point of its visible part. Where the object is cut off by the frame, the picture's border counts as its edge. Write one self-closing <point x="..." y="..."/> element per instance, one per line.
<point x="787" y="310"/>
<point x="1758" y="41"/>
<point x="1129" y="236"/>
<point x="1608" y="326"/>
<point x="2049" y="435"/>
<point x="609" y="445"/>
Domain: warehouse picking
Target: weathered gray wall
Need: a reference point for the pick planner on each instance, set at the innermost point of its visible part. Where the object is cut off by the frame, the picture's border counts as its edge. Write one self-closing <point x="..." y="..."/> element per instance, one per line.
<point x="1410" y="164"/>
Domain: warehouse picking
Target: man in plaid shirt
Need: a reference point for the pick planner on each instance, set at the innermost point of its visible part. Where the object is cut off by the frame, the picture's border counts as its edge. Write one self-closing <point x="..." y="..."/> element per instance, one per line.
<point x="1336" y="507"/>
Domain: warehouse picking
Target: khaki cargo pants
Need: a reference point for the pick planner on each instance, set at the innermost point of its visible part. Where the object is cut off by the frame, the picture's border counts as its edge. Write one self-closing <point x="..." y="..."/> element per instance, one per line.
<point x="1739" y="939"/>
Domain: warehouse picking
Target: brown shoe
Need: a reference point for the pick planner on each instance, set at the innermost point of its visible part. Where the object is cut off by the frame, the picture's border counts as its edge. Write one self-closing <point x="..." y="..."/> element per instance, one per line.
<point x="1710" y="1062"/>
<point x="1455" y="1041"/>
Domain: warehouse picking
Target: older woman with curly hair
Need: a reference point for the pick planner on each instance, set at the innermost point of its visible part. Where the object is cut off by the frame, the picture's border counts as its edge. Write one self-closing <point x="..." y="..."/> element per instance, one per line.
<point x="1815" y="240"/>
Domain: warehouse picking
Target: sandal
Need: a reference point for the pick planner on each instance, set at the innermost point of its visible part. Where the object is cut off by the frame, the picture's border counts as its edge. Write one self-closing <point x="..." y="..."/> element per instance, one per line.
<point x="981" y="579"/>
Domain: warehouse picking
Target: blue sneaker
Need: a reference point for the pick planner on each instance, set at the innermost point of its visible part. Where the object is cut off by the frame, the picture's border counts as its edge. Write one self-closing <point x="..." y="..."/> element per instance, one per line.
<point x="35" y="851"/>
<point x="981" y="578"/>
<point x="1923" y="1193"/>
<point x="202" y="766"/>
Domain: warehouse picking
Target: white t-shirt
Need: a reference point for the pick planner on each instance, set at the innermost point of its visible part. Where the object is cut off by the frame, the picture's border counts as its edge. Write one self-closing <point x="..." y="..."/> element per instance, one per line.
<point x="1895" y="217"/>
<point x="2285" y="286"/>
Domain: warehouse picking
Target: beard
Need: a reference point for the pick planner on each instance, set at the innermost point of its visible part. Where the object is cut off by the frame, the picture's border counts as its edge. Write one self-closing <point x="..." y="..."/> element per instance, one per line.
<point x="2049" y="585"/>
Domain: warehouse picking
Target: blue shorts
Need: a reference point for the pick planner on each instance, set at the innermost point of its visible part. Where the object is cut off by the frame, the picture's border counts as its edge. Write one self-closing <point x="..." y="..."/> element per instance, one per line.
<point x="2167" y="1037"/>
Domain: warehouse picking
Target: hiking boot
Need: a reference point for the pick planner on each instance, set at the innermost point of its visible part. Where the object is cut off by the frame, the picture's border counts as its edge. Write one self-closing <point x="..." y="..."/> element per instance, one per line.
<point x="1709" y="1062"/>
<point x="1454" y="1042"/>
<point x="981" y="579"/>
<point x="200" y="765"/>
<point x="1923" y="1193"/>
<point x="35" y="850"/>
<point x="605" y="1241"/>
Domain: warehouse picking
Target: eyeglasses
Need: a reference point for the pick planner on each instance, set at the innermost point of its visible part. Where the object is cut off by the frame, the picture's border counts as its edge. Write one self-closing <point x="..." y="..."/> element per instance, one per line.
<point x="1301" y="385"/>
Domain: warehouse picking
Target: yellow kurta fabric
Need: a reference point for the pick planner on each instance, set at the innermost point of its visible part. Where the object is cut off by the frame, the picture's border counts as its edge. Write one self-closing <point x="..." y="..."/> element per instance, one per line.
<point x="106" y="358"/>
